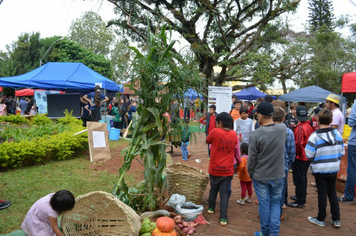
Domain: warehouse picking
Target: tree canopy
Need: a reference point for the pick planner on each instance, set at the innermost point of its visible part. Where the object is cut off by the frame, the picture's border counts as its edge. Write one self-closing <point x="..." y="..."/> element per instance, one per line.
<point x="24" y="55"/>
<point x="321" y="16"/>
<point x="225" y="33"/>
<point x="90" y="32"/>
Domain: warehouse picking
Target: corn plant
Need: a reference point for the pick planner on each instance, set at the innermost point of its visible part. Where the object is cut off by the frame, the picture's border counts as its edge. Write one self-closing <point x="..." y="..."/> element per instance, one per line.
<point x="162" y="75"/>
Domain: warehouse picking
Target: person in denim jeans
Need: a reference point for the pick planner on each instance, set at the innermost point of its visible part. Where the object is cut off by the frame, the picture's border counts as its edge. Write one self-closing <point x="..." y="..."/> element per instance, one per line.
<point x="289" y="152"/>
<point x="349" y="191"/>
<point x="185" y="141"/>
<point x="265" y="166"/>
<point x="224" y="143"/>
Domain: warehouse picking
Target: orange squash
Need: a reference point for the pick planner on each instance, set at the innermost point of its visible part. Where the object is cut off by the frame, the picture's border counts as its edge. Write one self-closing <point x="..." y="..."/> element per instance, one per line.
<point x="157" y="232"/>
<point x="165" y="224"/>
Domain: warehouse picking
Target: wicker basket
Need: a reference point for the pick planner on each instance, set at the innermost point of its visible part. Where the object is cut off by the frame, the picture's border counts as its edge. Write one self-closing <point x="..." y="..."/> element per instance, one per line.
<point x="189" y="181"/>
<point x="100" y="213"/>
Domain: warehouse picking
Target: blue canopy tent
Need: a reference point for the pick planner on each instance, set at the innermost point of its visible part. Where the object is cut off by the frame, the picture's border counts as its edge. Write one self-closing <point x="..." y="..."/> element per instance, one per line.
<point x="250" y="93"/>
<point x="65" y="76"/>
<point x="308" y="94"/>
<point x="192" y="94"/>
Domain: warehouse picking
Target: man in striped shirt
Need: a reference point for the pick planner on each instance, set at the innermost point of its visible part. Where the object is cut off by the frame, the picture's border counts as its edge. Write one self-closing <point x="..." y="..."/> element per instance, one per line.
<point x="325" y="148"/>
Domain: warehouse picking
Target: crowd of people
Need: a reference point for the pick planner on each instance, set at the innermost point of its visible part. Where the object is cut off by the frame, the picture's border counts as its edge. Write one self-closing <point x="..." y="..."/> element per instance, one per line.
<point x="11" y="106"/>
<point x="262" y="145"/>
<point x="259" y="144"/>
<point x="121" y="110"/>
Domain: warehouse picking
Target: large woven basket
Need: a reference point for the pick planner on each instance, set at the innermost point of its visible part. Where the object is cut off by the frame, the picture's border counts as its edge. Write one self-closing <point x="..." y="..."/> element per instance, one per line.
<point x="188" y="180"/>
<point x="100" y="213"/>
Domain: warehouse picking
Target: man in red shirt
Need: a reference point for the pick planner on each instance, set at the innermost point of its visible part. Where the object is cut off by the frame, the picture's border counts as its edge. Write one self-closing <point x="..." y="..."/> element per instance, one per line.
<point x="301" y="164"/>
<point x="224" y="148"/>
<point x="209" y="120"/>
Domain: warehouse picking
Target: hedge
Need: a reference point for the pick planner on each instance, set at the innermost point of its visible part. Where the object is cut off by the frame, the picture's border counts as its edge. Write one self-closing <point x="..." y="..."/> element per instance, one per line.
<point x="43" y="149"/>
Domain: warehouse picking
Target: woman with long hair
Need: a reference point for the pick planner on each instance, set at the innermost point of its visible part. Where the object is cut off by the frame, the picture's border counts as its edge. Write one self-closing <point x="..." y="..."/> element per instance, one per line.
<point x="95" y="99"/>
<point x="3" y="111"/>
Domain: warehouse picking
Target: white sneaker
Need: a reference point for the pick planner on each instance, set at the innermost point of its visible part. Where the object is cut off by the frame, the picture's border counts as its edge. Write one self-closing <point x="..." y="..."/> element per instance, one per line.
<point x="248" y="200"/>
<point x="240" y="201"/>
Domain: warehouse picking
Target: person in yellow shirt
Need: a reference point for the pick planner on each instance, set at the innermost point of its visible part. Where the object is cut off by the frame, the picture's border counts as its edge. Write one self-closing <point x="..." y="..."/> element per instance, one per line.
<point x="235" y="112"/>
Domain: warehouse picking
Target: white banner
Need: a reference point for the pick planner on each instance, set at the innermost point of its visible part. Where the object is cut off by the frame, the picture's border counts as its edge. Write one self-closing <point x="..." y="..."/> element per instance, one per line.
<point x="220" y="97"/>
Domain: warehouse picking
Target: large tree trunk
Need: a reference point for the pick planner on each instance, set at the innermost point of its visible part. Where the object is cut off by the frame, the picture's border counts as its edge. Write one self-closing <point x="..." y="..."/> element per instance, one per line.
<point x="206" y="67"/>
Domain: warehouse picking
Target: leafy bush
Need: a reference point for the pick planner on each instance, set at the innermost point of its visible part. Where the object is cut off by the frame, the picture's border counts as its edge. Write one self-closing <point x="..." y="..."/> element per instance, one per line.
<point x="31" y="132"/>
<point x="42" y="149"/>
<point x="68" y="118"/>
<point x="42" y="142"/>
<point x="15" y="119"/>
<point x="41" y="119"/>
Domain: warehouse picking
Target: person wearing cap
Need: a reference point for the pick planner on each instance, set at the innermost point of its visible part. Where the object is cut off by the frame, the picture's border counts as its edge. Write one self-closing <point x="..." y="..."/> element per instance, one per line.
<point x="332" y="103"/>
<point x="268" y="98"/>
<point x="301" y="164"/>
<point x="265" y="166"/>
<point x="235" y="112"/>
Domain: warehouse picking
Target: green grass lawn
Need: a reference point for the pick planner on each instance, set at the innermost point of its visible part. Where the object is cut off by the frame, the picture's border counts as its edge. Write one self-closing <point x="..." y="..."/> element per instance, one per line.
<point x="26" y="185"/>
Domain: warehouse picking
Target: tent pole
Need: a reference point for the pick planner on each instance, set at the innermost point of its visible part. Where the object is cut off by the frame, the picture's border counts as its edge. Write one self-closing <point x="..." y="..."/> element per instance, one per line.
<point x="105" y="106"/>
<point x="288" y="107"/>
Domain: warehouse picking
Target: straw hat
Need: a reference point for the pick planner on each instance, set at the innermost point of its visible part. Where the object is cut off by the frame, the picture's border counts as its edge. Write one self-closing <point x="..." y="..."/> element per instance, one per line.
<point x="333" y="98"/>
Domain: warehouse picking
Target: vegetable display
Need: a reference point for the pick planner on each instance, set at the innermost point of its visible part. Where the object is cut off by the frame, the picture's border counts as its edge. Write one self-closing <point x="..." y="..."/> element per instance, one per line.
<point x="187" y="227"/>
<point x="157" y="232"/>
<point x="147" y="227"/>
<point x="165" y="224"/>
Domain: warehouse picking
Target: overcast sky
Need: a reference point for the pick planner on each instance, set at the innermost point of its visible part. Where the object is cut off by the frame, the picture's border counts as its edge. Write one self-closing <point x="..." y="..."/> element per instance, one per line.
<point x="54" y="17"/>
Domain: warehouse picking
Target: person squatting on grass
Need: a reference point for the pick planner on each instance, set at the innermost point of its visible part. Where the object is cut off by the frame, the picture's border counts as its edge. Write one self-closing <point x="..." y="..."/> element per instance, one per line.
<point x="245" y="180"/>
<point x="224" y="148"/>
<point x="41" y="219"/>
<point x="265" y="166"/>
<point x="324" y="149"/>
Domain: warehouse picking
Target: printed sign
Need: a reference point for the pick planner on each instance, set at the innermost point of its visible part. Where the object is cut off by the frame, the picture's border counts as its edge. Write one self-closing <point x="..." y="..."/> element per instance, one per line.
<point x="220" y="97"/>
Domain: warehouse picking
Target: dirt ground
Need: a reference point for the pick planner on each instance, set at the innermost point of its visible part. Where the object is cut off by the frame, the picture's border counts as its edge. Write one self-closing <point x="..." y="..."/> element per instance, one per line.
<point x="243" y="220"/>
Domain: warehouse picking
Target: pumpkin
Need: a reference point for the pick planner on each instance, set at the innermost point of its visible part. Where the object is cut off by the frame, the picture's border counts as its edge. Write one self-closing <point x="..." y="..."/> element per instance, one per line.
<point x="165" y="224"/>
<point x="157" y="232"/>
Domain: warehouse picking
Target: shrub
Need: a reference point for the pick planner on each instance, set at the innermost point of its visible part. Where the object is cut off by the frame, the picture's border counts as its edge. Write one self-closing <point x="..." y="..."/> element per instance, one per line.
<point x="41" y="119"/>
<point x="15" y="119"/>
<point x="42" y="149"/>
<point x="68" y="118"/>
